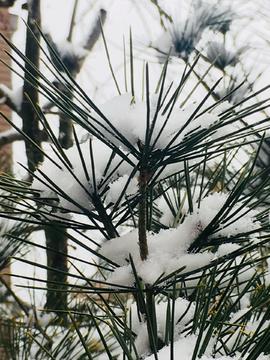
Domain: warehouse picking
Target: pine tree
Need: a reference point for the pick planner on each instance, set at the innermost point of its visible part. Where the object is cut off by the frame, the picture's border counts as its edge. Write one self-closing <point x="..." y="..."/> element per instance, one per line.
<point x="159" y="195"/>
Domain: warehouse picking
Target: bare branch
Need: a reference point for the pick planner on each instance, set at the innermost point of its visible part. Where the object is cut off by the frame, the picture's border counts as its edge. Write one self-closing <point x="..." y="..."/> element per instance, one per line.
<point x="8" y="97"/>
<point x="72" y="22"/>
<point x="96" y="30"/>
<point x="9" y="136"/>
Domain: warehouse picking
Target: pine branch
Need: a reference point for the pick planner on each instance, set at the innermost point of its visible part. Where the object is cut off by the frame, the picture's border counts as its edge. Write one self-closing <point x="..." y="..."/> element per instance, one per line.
<point x="25" y="309"/>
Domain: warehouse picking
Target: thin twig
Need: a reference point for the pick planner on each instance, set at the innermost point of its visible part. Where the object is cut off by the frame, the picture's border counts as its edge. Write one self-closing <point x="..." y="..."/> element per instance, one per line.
<point x="72" y="22"/>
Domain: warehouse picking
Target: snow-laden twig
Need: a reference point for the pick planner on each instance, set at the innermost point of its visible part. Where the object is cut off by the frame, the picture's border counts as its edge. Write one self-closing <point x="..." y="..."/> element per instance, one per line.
<point x="9" y="136"/>
<point x="12" y="98"/>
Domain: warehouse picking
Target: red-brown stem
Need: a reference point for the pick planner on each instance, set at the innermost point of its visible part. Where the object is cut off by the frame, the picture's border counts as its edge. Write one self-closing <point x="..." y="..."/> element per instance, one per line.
<point x="142" y="215"/>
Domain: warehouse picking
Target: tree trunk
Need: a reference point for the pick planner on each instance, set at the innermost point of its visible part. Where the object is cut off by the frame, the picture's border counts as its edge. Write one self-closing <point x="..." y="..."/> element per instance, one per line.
<point x="56" y="243"/>
<point x="29" y="117"/>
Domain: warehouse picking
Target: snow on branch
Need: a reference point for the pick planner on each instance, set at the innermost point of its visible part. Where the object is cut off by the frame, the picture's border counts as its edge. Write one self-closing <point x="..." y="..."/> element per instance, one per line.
<point x="73" y="55"/>
<point x="185" y="34"/>
<point x="9" y="136"/>
<point x="12" y="98"/>
<point x="96" y="30"/>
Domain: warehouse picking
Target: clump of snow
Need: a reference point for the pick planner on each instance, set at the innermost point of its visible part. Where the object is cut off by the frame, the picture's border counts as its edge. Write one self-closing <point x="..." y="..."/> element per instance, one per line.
<point x="167" y="253"/>
<point x="176" y="198"/>
<point x="183" y="349"/>
<point x="242" y="220"/>
<point x="140" y="328"/>
<point x="168" y="250"/>
<point x="227" y="248"/>
<point x="15" y="96"/>
<point x="118" y="185"/>
<point x="129" y="117"/>
<point x="75" y="190"/>
<point x="184" y="345"/>
<point x="70" y="50"/>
